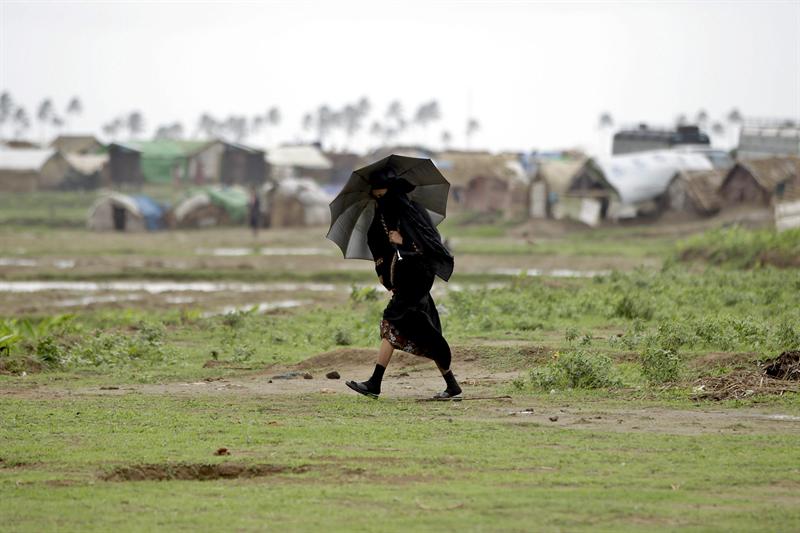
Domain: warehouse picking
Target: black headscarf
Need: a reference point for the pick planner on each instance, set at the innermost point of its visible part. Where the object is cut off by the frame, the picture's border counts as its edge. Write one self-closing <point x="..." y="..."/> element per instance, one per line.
<point x="413" y="222"/>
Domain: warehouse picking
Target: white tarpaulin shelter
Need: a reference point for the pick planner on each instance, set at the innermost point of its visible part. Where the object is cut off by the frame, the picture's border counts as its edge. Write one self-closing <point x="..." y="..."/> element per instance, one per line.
<point x="643" y="176"/>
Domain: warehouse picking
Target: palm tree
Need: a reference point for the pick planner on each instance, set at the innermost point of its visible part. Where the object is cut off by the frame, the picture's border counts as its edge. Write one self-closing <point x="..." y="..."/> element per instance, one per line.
<point x="681" y="120"/>
<point x="426" y="113"/>
<point x="394" y="112"/>
<point x="6" y="110"/>
<point x="206" y="125"/>
<point x="75" y="107"/>
<point x="605" y="122"/>
<point x="21" y="121"/>
<point x="735" y="120"/>
<point x="702" y="119"/>
<point x="44" y="115"/>
<point x="446" y="139"/>
<point x="472" y="127"/>
<point x="135" y="123"/>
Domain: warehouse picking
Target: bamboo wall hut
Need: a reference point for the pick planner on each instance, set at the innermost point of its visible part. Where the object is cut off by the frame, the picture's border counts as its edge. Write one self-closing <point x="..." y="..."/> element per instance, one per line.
<point x="125" y="165"/>
<point x="297" y="202"/>
<point x="694" y="192"/>
<point x="483" y="182"/>
<point x="30" y="169"/>
<point x="759" y="182"/>
<point x="299" y="161"/>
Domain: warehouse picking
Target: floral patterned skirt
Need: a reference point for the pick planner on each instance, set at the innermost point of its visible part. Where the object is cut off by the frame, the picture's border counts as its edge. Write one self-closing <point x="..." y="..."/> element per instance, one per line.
<point x="398" y="341"/>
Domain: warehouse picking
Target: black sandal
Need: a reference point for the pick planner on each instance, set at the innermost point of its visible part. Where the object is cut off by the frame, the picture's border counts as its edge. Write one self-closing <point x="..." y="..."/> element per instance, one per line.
<point x="362" y="388"/>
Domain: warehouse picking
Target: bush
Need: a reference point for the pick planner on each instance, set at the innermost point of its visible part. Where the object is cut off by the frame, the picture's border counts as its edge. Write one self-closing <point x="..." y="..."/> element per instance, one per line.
<point x="576" y="369"/>
<point x="660" y="365"/>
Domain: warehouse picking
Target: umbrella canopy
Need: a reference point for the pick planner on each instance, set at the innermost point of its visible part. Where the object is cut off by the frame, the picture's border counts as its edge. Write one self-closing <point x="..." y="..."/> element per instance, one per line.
<point x="353" y="209"/>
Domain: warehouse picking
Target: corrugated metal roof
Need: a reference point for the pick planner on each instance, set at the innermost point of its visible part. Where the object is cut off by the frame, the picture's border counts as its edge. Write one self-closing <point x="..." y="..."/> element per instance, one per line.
<point x="24" y="159"/>
<point x="643" y="176"/>
<point x="306" y="156"/>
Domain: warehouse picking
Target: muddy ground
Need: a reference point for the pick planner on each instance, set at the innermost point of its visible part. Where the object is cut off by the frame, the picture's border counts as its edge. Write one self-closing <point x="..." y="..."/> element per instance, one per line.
<point x="488" y="394"/>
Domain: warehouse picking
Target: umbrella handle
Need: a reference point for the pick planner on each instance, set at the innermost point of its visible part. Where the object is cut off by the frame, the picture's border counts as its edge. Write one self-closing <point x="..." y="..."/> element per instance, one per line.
<point x="399" y="257"/>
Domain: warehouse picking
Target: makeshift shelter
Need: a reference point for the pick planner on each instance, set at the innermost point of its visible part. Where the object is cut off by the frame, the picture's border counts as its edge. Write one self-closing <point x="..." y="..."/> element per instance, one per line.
<point x="342" y="165"/>
<point x="550" y="185"/>
<point x="633" y="183"/>
<point x="299" y="161"/>
<point x="298" y="202"/>
<point x="125" y="165"/>
<point x="30" y="169"/>
<point x="759" y="181"/>
<point x="77" y="144"/>
<point x="226" y="163"/>
<point x="211" y="206"/>
<point x="167" y="160"/>
<point x="695" y="192"/>
<point x="483" y="182"/>
<point x="121" y="212"/>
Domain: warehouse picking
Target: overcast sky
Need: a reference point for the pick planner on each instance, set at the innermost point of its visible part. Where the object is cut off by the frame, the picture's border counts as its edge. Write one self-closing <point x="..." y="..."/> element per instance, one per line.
<point x="536" y="75"/>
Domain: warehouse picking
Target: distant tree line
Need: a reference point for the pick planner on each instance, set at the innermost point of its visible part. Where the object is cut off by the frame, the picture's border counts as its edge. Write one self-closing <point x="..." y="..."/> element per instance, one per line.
<point x="325" y="124"/>
<point x="49" y="118"/>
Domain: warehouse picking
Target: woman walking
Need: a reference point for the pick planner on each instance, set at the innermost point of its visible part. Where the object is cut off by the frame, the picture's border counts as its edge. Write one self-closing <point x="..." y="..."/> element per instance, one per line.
<point x="408" y="254"/>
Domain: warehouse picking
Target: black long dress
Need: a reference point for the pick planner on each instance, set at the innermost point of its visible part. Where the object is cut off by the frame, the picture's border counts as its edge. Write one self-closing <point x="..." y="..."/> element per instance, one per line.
<point x="410" y="321"/>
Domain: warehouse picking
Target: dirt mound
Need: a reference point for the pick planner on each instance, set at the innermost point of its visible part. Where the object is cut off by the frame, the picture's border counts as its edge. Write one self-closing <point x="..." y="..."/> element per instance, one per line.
<point x="17" y="366"/>
<point x="785" y="366"/>
<point x="356" y="357"/>
<point x="195" y="472"/>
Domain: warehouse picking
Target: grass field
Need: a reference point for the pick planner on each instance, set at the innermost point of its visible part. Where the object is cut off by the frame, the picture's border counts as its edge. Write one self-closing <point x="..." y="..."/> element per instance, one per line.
<point x="620" y="388"/>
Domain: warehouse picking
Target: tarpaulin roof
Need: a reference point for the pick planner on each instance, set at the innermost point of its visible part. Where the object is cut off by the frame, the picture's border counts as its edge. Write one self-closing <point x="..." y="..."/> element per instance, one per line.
<point x="159" y="158"/>
<point x="233" y="200"/>
<point x="306" y="156"/>
<point x="643" y="176"/>
<point x="24" y="159"/>
<point x="151" y="211"/>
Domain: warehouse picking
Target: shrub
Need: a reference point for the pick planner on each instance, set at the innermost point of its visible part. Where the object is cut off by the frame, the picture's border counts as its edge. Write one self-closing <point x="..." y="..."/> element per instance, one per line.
<point x="660" y="365"/>
<point x="576" y="369"/>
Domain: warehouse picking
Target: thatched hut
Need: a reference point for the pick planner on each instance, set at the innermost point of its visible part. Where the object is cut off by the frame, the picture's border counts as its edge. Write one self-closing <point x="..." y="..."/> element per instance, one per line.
<point x="694" y="192"/>
<point x="759" y="181"/>
<point x="549" y="191"/>
<point x="483" y="182"/>
<point x="297" y="202"/>
<point x="77" y="144"/>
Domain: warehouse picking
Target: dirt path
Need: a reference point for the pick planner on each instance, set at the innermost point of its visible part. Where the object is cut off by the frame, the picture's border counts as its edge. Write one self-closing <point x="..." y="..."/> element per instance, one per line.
<point x="411" y="378"/>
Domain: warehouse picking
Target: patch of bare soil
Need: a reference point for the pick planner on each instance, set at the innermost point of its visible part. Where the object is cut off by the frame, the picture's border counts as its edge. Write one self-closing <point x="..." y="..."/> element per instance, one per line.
<point x="196" y="472"/>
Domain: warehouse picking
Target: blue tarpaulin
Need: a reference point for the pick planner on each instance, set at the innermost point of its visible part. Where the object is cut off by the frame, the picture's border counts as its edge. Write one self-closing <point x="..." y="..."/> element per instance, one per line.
<point x="152" y="212"/>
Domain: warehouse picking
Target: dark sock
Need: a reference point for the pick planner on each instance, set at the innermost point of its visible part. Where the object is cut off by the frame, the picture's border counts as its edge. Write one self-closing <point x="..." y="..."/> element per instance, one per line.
<point x="452" y="384"/>
<point x="374" y="382"/>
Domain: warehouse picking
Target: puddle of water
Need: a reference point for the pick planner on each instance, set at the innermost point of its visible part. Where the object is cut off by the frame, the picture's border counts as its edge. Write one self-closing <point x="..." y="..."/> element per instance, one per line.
<point x="260" y="308"/>
<point x="556" y="273"/>
<point x="786" y="418"/>
<point x="270" y="251"/>
<point x="295" y="251"/>
<point x="157" y="287"/>
<point x="64" y="263"/>
<point x="179" y="299"/>
<point x="225" y="252"/>
<point x="86" y="300"/>
<point x="16" y="261"/>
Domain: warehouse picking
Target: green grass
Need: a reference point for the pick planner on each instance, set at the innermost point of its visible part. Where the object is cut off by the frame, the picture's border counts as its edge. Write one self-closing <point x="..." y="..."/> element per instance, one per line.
<point x="737" y="247"/>
<point x="387" y="465"/>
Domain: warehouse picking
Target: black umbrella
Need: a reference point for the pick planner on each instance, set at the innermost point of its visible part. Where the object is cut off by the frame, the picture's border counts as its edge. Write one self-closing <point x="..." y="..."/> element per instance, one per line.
<point x="353" y="208"/>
